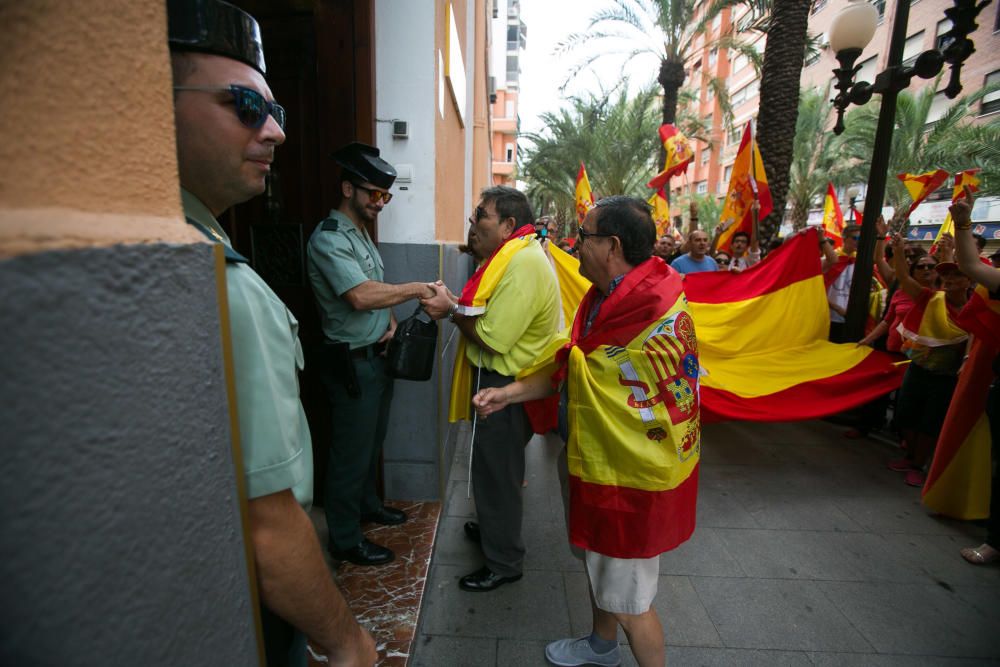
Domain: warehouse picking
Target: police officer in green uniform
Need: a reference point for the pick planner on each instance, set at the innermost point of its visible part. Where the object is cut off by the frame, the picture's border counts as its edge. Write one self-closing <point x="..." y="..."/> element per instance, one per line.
<point x="347" y="276"/>
<point x="228" y="127"/>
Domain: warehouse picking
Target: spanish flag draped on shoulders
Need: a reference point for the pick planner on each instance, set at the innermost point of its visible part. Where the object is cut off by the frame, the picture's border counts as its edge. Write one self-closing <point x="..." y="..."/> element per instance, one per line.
<point x="634" y="424"/>
<point x="958" y="482"/>
<point x="473" y="301"/>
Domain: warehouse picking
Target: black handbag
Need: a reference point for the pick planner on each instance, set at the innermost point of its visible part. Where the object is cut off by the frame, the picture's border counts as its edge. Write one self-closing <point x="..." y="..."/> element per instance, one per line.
<point x="412" y="348"/>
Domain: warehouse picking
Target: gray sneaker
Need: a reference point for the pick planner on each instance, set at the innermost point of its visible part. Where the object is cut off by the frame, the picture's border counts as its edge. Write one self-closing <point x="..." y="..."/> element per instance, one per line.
<point x="576" y="652"/>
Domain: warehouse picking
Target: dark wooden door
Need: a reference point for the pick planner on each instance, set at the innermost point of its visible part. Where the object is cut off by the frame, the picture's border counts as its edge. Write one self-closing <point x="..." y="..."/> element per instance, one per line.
<point x="320" y="67"/>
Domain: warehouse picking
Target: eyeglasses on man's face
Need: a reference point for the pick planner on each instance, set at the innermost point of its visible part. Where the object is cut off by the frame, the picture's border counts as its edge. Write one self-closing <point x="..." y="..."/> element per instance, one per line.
<point x="376" y="196"/>
<point x="854" y="237"/>
<point x="584" y="234"/>
<point x="250" y="106"/>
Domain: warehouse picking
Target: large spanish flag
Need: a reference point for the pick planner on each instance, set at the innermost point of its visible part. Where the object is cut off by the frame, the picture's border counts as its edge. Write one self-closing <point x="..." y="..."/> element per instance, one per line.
<point x="678" y="155"/>
<point x="958" y="483"/>
<point x="747" y="183"/>
<point x="634" y="430"/>
<point x="762" y="335"/>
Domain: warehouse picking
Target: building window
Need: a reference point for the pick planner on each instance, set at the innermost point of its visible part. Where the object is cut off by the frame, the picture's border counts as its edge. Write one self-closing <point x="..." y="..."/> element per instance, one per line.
<point x="740" y="62"/>
<point x="709" y="94"/>
<point x="702" y="187"/>
<point x="880" y="6"/>
<point x="716" y="21"/>
<point x="729" y="174"/>
<point x="941" y="42"/>
<point x="705" y="155"/>
<point x="510" y="153"/>
<point x="938" y="108"/>
<point x="914" y="45"/>
<point x="991" y="102"/>
<point x="713" y="57"/>
<point x="817" y="5"/>
<point x="508" y="111"/>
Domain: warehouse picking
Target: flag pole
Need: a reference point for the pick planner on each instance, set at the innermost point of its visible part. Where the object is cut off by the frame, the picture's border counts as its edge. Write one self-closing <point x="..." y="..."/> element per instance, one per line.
<point x="755" y="207"/>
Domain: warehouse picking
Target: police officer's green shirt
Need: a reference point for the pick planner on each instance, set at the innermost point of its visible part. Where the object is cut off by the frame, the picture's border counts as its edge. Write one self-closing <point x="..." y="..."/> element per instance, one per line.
<point x="341" y="257"/>
<point x="267" y="356"/>
<point x="521" y="316"/>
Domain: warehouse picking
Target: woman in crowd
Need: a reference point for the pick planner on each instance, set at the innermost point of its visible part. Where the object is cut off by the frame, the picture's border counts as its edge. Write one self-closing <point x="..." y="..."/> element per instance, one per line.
<point x="723" y="260"/>
<point x="935" y="345"/>
<point x="924" y="273"/>
<point x="982" y="317"/>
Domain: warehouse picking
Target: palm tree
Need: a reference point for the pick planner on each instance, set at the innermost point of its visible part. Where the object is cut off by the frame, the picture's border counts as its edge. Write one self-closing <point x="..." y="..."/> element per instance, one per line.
<point x="786" y="28"/>
<point x="919" y="144"/>
<point x="815" y="158"/>
<point x="664" y="30"/>
<point x="614" y="136"/>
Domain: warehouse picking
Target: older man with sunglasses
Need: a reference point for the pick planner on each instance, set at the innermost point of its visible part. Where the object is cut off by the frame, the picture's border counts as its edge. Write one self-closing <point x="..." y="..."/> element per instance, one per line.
<point x="228" y="127"/>
<point x="347" y="276"/>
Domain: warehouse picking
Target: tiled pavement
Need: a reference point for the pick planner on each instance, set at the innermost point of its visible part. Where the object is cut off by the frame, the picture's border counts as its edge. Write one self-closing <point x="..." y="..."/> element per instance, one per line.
<point x="808" y="551"/>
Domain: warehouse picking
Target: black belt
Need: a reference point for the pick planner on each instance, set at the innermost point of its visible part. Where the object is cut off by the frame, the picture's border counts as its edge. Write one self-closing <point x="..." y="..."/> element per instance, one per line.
<point x="368" y="351"/>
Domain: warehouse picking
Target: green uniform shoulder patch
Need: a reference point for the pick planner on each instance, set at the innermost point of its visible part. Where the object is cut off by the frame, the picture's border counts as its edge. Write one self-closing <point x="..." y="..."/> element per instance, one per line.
<point x="330" y="225"/>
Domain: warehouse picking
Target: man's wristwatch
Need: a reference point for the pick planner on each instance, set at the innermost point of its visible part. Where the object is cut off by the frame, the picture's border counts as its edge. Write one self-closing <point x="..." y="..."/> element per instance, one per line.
<point x="452" y="311"/>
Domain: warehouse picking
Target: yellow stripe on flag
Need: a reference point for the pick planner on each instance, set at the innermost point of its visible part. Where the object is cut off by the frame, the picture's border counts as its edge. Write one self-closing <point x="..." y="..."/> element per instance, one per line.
<point x="963" y="489"/>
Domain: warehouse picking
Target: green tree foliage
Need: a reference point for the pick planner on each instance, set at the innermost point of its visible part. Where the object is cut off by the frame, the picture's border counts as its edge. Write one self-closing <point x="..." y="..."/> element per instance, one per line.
<point x="665" y="31"/>
<point x="952" y="143"/>
<point x="614" y="136"/>
<point x="815" y="158"/>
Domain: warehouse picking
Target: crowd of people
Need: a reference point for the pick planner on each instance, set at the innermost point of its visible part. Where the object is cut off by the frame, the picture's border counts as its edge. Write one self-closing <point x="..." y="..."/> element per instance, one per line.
<point x="508" y="314"/>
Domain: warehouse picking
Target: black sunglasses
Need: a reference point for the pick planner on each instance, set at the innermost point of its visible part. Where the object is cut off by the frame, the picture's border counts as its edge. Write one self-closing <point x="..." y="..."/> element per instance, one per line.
<point x="375" y="195"/>
<point x="251" y="107"/>
<point x="584" y="234"/>
<point x="927" y="267"/>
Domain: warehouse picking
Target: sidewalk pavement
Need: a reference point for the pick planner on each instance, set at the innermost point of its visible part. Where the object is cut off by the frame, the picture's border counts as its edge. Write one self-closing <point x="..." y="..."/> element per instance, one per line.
<point x="807" y="551"/>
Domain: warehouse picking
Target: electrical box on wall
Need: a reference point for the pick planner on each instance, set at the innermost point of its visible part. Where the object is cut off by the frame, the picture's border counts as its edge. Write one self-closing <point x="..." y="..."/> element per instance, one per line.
<point x="400" y="129"/>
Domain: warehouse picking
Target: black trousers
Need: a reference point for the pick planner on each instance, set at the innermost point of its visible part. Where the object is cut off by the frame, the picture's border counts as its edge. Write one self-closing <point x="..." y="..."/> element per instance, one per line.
<point x="497" y="474"/>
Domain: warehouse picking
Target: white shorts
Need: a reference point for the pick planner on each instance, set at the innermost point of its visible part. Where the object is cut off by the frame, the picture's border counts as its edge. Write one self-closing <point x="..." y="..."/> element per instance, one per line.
<point x="622" y="585"/>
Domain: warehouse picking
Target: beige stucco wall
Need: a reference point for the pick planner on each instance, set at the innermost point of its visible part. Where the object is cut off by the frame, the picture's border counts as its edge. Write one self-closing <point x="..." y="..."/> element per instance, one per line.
<point x="87" y="153"/>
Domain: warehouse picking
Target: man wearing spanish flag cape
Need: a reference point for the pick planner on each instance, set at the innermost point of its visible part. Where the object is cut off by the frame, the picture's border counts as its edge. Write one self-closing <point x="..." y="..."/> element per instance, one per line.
<point x="507" y="313"/>
<point x="629" y="366"/>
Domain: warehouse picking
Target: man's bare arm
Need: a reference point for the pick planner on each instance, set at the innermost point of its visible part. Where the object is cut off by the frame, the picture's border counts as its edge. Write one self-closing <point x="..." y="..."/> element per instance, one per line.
<point x="295" y="582"/>
<point x="372" y="295"/>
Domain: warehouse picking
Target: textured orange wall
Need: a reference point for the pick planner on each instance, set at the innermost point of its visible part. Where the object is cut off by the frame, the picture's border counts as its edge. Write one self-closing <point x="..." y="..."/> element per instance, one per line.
<point x="449" y="166"/>
<point x="87" y="153"/>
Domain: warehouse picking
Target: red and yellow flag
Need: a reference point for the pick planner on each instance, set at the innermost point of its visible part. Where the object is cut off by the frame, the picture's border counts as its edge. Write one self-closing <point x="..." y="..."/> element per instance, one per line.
<point x="584" y="195"/>
<point x="963" y="179"/>
<point x="634" y="427"/>
<point x="742" y="327"/>
<point x="747" y="183"/>
<point x="833" y="218"/>
<point x="679" y="155"/>
<point x="958" y="483"/>
<point x="660" y="212"/>
<point x="921" y="185"/>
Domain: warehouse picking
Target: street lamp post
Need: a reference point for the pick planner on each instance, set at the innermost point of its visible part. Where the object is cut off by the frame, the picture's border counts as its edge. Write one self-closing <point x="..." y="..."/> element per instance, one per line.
<point x="850" y="32"/>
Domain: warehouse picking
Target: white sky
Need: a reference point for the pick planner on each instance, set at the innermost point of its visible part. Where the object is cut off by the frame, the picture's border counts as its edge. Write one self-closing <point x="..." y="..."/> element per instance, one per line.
<point x="550" y="22"/>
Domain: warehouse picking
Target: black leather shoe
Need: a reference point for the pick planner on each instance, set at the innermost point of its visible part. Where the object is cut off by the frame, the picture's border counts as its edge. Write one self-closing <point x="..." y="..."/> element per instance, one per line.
<point x="484" y="580"/>
<point x="365" y="553"/>
<point x="472" y="531"/>
<point x="387" y="516"/>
